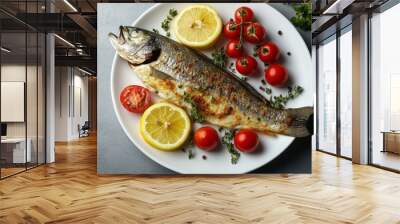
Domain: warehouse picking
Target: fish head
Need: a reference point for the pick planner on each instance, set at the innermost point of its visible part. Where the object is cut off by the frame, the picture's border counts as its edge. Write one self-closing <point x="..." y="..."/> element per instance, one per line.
<point x="135" y="45"/>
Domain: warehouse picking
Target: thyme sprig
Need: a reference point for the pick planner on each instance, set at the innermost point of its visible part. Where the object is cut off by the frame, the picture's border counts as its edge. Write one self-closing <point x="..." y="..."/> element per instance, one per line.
<point x="280" y="101"/>
<point x="165" y="24"/>
<point x="227" y="141"/>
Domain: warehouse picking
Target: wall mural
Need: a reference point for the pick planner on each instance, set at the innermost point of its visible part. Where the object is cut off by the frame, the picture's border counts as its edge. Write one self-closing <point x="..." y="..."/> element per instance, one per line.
<point x="217" y="88"/>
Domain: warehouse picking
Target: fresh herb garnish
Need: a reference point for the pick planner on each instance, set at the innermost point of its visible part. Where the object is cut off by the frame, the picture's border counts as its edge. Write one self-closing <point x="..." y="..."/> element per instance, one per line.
<point x="303" y="17"/>
<point x="227" y="141"/>
<point x="255" y="50"/>
<point x="173" y="12"/>
<point x="166" y="22"/>
<point x="156" y="31"/>
<point x="189" y="142"/>
<point x="194" y="112"/>
<point x="190" y="154"/>
<point x="268" y="90"/>
<point x="294" y="92"/>
<point x="280" y="101"/>
<point x="232" y="67"/>
<point x="219" y="57"/>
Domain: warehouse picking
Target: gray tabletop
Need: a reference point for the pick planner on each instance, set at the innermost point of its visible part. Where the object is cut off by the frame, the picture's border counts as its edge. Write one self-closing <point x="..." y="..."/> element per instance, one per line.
<point x="116" y="154"/>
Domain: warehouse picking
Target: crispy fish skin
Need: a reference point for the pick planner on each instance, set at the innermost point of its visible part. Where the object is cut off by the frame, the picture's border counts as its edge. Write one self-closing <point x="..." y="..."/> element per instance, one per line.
<point x="171" y="69"/>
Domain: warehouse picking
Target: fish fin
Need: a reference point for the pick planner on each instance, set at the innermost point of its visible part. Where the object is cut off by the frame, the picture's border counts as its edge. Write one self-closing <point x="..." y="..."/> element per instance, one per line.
<point x="160" y="75"/>
<point x="301" y="122"/>
<point x="152" y="71"/>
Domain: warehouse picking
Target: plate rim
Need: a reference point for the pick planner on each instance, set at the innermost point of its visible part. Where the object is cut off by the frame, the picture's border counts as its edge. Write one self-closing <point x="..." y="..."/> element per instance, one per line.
<point x="149" y="155"/>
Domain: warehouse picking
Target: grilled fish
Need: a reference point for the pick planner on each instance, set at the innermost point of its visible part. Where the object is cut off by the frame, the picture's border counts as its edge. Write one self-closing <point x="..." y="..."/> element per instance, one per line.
<point x="174" y="72"/>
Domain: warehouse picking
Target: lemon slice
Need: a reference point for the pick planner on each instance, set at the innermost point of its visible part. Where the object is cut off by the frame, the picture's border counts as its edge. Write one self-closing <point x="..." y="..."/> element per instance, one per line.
<point x="165" y="126"/>
<point x="197" y="26"/>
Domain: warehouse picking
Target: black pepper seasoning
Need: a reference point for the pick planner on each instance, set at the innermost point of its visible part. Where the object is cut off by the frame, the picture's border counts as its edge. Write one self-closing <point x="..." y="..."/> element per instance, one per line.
<point x="263" y="82"/>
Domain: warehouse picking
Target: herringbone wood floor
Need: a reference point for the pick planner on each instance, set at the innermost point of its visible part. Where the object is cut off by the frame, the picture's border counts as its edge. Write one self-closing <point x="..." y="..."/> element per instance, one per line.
<point x="69" y="191"/>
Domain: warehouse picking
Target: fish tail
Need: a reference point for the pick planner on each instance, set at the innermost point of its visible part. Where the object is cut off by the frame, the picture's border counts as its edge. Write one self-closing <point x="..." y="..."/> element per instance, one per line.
<point x="301" y="122"/>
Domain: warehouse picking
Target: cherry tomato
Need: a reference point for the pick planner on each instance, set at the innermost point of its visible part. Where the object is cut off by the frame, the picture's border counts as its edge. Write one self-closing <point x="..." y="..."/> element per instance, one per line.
<point x="254" y="33"/>
<point x="276" y="75"/>
<point x="268" y="52"/>
<point x="243" y="14"/>
<point x="135" y="99"/>
<point x="206" y="138"/>
<point x="246" y="140"/>
<point x="234" y="49"/>
<point x="246" y="65"/>
<point x="232" y="30"/>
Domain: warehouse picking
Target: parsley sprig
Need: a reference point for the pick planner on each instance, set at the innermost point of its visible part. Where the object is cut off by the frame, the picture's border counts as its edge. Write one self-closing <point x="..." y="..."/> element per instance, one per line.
<point x="303" y="17"/>
<point x="219" y="57"/>
<point x="194" y="112"/>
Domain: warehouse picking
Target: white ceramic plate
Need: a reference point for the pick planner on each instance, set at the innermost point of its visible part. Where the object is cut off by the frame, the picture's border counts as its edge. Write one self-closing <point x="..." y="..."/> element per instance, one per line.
<point x="218" y="162"/>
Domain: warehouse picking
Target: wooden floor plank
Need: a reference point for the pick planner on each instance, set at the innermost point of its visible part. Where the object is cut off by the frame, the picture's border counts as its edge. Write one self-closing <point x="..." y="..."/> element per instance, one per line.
<point x="70" y="191"/>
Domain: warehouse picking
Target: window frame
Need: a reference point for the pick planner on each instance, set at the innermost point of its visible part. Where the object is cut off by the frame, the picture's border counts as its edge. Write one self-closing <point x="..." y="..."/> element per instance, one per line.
<point x="336" y="35"/>
<point x="381" y="9"/>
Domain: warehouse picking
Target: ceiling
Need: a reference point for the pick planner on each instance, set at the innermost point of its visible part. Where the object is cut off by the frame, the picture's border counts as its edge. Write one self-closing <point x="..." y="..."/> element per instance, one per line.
<point x="332" y="15"/>
<point x="74" y="22"/>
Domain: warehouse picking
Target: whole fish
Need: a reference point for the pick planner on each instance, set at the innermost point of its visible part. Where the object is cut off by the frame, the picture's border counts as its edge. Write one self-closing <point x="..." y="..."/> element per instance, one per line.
<point x="176" y="73"/>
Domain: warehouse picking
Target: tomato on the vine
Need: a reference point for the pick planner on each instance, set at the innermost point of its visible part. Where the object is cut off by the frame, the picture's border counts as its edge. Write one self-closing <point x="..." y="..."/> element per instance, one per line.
<point x="268" y="52"/>
<point x="231" y="30"/>
<point x="254" y="33"/>
<point x="206" y="138"/>
<point x="276" y="75"/>
<point x="246" y="140"/>
<point x="234" y="49"/>
<point x="246" y="65"/>
<point x="243" y="14"/>
<point x="135" y="99"/>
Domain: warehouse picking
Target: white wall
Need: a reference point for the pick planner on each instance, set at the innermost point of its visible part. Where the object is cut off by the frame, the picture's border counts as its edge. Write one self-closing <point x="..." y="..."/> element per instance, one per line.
<point x="71" y="102"/>
<point x="34" y="125"/>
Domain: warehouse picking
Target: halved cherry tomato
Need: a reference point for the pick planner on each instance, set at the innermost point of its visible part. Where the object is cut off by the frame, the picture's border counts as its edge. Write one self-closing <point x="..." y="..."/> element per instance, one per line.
<point x="268" y="52"/>
<point x="254" y="33"/>
<point x="135" y="99"/>
<point x="243" y="14"/>
<point x="276" y="75"/>
<point x="246" y="65"/>
<point x="234" y="49"/>
<point x="246" y="140"/>
<point x="232" y="30"/>
<point x="206" y="138"/>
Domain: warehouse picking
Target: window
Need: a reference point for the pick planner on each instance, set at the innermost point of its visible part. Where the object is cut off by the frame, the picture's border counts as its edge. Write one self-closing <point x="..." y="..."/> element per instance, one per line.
<point x="346" y="93"/>
<point x="22" y="77"/>
<point x="385" y="89"/>
<point x="327" y="96"/>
